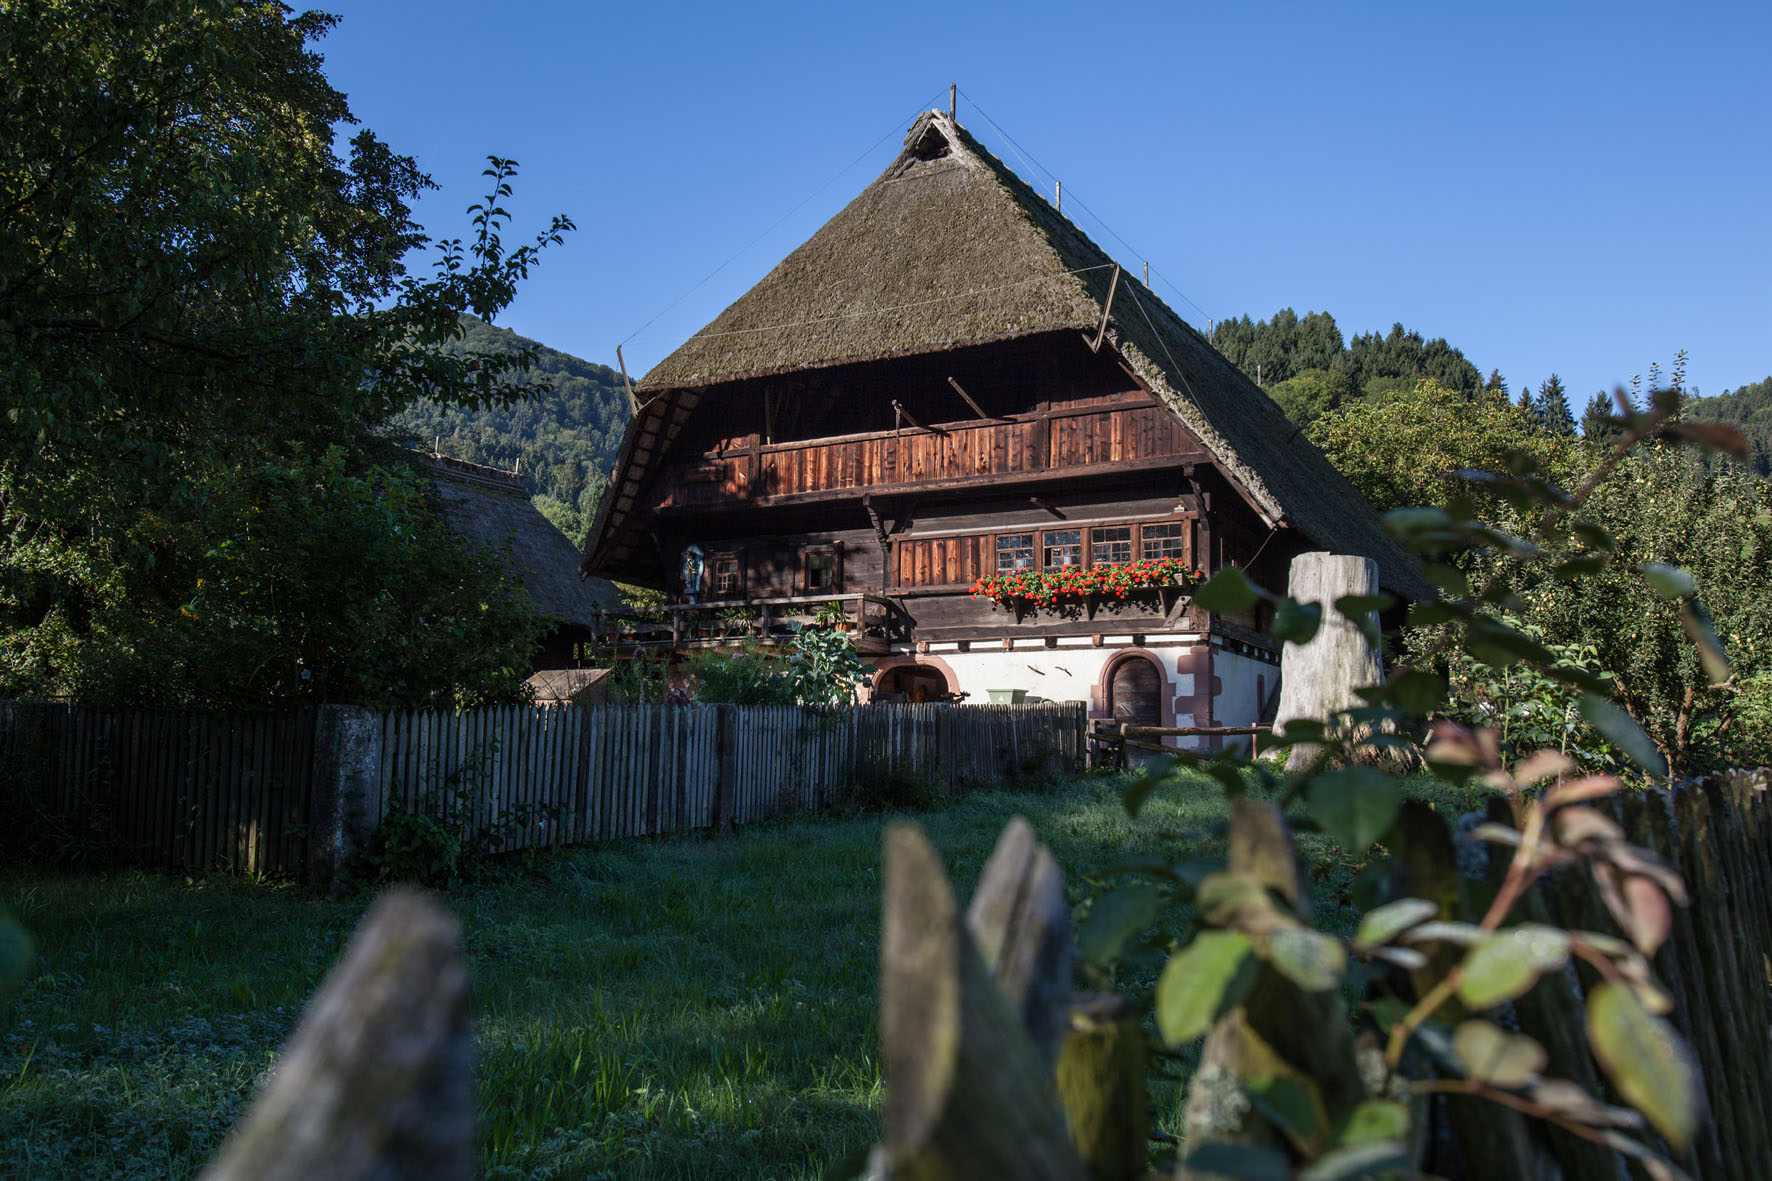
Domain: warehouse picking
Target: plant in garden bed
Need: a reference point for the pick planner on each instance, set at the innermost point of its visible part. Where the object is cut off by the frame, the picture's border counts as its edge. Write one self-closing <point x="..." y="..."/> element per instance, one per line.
<point x="1288" y="1077"/>
<point x="1047" y="587"/>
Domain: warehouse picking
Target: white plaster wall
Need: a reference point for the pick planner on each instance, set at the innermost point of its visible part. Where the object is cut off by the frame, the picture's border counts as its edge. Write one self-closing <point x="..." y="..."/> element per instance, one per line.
<point x="1057" y="674"/>
<point x="1062" y="674"/>
<point x="1237" y="703"/>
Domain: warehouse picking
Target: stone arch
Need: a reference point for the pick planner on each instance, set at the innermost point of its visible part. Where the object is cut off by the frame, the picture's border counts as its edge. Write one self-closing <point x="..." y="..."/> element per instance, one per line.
<point x="1140" y="670"/>
<point x="908" y="674"/>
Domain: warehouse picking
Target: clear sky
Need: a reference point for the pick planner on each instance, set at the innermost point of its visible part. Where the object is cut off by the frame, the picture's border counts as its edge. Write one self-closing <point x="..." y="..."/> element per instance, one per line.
<point x="1552" y="187"/>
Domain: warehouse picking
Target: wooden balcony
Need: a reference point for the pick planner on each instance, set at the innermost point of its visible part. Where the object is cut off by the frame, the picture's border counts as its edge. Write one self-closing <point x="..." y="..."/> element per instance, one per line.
<point x="874" y="623"/>
<point x="1112" y="438"/>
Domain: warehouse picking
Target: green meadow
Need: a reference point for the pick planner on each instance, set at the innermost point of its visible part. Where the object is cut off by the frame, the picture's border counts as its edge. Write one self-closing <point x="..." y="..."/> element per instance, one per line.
<point x="701" y="1006"/>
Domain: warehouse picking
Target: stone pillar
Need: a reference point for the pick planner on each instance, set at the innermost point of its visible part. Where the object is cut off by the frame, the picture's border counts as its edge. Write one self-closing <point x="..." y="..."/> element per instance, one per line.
<point x="345" y="801"/>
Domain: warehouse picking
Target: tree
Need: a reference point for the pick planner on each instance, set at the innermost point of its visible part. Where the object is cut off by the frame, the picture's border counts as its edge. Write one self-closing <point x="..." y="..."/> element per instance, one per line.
<point x="204" y="310"/>
<point x="1552" y="406"/>
<point x="1496" y="384"/>
<point x="1528" y="406"/>
<point x="1402" y="451"/>
<point x="1312" y="394"/>
<point x="1664" y="506"/>
<point x="1597" y="424"/>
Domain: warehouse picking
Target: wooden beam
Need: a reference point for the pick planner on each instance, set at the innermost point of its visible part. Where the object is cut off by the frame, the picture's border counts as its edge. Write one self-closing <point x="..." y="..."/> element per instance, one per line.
<point x="967" y="398"/>
<point x="1106" y="310"/>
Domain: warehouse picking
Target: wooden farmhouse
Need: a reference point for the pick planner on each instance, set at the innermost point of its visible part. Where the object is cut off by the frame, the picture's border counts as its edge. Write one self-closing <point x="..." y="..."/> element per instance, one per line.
<point x="949" y="382"/>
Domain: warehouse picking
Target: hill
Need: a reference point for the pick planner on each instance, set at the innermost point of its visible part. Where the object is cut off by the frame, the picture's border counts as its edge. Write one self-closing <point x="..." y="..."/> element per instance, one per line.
<point x="1748" y="408"/>
<point x="564" y="441"/>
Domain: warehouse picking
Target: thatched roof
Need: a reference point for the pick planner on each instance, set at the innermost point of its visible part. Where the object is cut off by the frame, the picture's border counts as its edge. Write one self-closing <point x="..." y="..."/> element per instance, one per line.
<point x="490" y="508"/>
<point x="949" y="248"/>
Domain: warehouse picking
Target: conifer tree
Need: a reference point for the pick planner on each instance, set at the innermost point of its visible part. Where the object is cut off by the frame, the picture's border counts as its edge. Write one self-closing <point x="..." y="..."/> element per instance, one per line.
<point x="1527" y="407"/>
<point x="1553" y="407"/>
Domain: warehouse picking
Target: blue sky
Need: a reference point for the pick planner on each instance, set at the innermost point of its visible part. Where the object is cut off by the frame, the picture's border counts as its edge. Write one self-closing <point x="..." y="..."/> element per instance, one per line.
<point x="1552" y="187"/>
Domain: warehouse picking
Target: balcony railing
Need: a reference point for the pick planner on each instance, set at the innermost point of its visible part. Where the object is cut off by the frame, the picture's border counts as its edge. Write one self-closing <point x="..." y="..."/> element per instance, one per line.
<point x="989" y="451"/>
<point x="874" y="623"/>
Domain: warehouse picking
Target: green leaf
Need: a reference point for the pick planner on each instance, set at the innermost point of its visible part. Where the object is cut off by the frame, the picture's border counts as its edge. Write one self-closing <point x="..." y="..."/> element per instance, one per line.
<point x="1449" y="579"/>
<point x="1696" y="620"/>
<point x="1507" y="963"/>
<point x="1392" y="919"/>
<point x="1297" y="623"/>
<point x="1357" y="607"/>
<point x="1359" y="1160"/>
<point x="1356" y="805"/>
<point x="1406" y="522"/>
<point x="1622" y="731"/>
<point x="1245" y="1162"/>
<point x="1490" y="1054"/>
<point x="1232" y="898"/>
<point x="1593" y="536"/>
<point x="1375" y="1120"/>
<point x="1417" y="693"/>
<point x="1115" y="917"/>
<point x="1646" y="1060"/>
<point x="1580" y="566"/>
<point x="1227" y="591"/>
<point x="1201" y="981"/>
<point x="1310" y="959"/>
<point x="1290" y="1101"/>
<point x="1670" y="582"/>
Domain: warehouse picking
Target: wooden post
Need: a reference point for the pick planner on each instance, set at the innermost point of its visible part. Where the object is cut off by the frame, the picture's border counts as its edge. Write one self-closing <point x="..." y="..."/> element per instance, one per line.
<point x="378" y="1079"/>
<point x="726" y="765"/>
<point x="966" y="1095"/>
<point x="1101" y="1086"/>
<point x="1021" y="923"/>
<point x="1318" y="679"/>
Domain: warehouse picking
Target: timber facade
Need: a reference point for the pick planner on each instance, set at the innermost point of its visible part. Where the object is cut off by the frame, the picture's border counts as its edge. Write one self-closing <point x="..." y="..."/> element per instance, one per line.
<point x="950" y="383"/>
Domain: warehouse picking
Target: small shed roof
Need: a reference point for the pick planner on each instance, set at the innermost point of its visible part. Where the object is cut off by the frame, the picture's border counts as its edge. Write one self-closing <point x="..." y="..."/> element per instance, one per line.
<point x="491" y="508"/>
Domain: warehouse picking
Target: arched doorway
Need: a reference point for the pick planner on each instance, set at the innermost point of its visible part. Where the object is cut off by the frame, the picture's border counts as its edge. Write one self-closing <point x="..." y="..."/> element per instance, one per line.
<point x="1135" y="693"/>
<point x="915" y="683"/>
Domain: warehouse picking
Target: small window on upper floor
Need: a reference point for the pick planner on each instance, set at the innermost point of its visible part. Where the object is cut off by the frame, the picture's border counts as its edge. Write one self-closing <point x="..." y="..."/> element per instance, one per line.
<point x="1164" y="541"/>
<point x="1111" y="546"/>
<point x="1015" y="551"/>
<point x="1061" y="548"/>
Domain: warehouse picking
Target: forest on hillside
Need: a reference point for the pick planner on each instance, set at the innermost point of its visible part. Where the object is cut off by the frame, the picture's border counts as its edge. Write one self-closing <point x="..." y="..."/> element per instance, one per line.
<point x="564" y="439"/>
<point x="1748" y="409"/>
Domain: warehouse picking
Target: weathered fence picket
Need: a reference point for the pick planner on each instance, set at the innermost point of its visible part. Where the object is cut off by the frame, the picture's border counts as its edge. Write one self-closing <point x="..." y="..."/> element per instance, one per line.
<point x="243" y="792"/>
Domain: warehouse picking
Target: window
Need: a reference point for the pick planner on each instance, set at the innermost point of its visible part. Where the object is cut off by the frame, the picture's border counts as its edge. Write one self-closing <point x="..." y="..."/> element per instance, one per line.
<point x="1110" y="547"/>
<point x="726" y="575"/>
<point x="1063" y="548"/>
<point x="821" y="570"/>
<point x="1015" y="551"/>
<point x="1164" y="541"/>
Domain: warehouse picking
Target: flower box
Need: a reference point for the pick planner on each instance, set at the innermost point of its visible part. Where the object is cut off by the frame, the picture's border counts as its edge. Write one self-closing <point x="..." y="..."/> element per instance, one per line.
<point x="1049" y="588"/>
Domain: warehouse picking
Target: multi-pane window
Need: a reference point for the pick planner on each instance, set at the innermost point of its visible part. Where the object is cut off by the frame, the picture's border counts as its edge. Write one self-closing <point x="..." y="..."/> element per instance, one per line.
<point x="1063" y="547"/>
<point x="821" y="571"/>
<point x="1015" y="551"/>
<point x="727" y="576"/>
<point x="1164" y="541"/>
<point x="1111" y="546"/>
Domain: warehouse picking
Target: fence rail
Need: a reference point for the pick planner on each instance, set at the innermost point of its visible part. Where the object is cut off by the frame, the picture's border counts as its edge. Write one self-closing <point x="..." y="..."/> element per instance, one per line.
<point x="298" y="792"/>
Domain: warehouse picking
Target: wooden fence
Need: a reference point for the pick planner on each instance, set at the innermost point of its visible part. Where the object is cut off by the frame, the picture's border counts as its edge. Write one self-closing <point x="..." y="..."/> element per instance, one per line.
<point x="297" y="793"/>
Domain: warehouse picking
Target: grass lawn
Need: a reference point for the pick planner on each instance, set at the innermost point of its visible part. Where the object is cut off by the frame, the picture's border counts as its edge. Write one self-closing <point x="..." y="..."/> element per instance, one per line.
<point x="687" y="1007"/>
